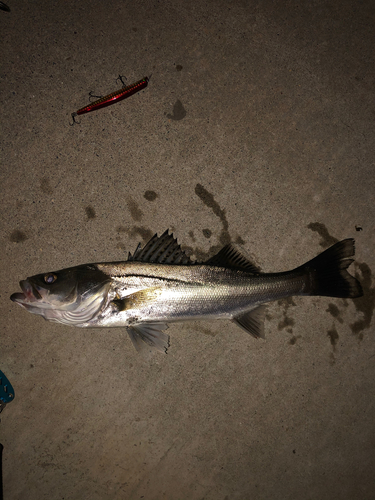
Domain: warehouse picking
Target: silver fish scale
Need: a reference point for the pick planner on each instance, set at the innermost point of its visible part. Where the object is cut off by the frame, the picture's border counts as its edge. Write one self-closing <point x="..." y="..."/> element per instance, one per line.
<point x="196" y="291"/>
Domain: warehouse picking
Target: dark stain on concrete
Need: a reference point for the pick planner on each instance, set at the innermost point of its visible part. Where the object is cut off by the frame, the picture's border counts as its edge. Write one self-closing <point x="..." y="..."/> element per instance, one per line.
<point x="45" y="186"/>
<point x="132" y="232"/>
<point x="206" y="331"/>
<point x="178" y="67"/>
<point x="287" y="302"/>
<point x="365" y="304"/>
<point x="200" y="255"/>
<point x="18" y="236"/>
<point x="335" y="312"/>
<point x="294" y="339"/>
<point x="144" y="233"/>
<point x="211" y="203"/>
<point x="135" y="211"/>
<point x="332" y="359"/>
<point x="333" y="336"/>
<point x="327" y="240"/>
<point x="121" y="246"/>
<point x="179" y="112"/>
<point x="90" y="212"/>
<point x="287" y="322"/>
<point x="224" y="237"/>
<point x="150" y="195"/>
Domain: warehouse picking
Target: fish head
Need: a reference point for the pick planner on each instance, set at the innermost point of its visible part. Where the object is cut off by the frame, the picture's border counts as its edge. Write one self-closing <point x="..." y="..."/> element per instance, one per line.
<point x="70" y="296"/>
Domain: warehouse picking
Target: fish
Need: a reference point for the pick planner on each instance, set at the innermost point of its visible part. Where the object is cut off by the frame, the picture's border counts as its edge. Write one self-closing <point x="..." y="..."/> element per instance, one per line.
<point x="159" y="284"/>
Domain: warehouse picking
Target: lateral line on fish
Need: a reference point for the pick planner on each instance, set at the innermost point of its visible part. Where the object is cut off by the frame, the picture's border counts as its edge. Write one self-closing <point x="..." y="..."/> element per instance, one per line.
<point x="148" y="276"/>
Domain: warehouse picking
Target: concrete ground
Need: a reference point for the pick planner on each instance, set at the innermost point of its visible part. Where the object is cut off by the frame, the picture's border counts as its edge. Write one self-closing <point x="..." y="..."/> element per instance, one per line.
<point x="257" y="128"/>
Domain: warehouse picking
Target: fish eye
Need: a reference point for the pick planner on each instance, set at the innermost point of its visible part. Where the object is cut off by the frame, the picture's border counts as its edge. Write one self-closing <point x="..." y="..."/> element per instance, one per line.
<point x="50" y="278"/>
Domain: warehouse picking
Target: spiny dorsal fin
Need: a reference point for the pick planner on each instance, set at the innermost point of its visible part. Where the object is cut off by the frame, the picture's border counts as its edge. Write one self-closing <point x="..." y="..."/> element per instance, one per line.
<point x="161" y="250"/>
<point x="252" y="322"/>
<point x="231" y="258"/>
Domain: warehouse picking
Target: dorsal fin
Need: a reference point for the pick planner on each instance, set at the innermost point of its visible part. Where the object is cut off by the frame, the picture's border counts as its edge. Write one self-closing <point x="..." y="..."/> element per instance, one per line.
<point x="231" y="258"/>
<point x="161" y="250"/>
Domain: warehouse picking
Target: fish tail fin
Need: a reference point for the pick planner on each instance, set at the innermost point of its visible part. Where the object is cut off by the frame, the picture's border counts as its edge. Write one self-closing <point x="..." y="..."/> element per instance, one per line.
<point x="328" y="272"/>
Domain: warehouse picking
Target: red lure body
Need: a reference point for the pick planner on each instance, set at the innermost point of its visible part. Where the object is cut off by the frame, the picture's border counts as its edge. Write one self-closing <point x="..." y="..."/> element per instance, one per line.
<point x="116" y="96"/>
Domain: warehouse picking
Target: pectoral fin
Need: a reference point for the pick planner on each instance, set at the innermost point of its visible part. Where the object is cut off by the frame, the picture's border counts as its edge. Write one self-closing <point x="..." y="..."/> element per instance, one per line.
<point x="138" y="299"/>
<point x="252" y="322"/>
<point x="149" y="334"/>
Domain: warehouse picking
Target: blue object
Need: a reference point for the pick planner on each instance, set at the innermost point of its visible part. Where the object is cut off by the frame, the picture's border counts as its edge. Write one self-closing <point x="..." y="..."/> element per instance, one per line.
<point x="6" y="390"/>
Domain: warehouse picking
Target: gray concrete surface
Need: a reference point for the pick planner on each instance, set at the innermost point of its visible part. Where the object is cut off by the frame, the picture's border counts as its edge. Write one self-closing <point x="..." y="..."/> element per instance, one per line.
<point x="257" y="128"/>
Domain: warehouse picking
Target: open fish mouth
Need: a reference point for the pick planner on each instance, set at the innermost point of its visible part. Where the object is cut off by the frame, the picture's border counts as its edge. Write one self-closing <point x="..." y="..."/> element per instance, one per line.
<point x="30" y="294"/>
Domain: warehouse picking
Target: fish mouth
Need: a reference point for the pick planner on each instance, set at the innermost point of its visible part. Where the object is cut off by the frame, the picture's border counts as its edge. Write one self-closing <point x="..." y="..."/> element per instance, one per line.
<point x="30" y="294"/>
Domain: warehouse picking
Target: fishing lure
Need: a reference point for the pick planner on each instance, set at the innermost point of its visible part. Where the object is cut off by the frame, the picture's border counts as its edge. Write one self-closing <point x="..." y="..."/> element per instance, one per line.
<point x="116" y="96"/>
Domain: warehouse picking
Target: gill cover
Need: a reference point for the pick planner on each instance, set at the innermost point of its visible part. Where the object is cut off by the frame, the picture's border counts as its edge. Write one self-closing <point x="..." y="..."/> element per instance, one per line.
<point x="71" y="296"/>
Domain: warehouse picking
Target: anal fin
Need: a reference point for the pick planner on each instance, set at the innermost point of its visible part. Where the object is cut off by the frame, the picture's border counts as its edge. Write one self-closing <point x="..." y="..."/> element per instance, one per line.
<point x="149" y="334"/>
<point x="253" y="321"/>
